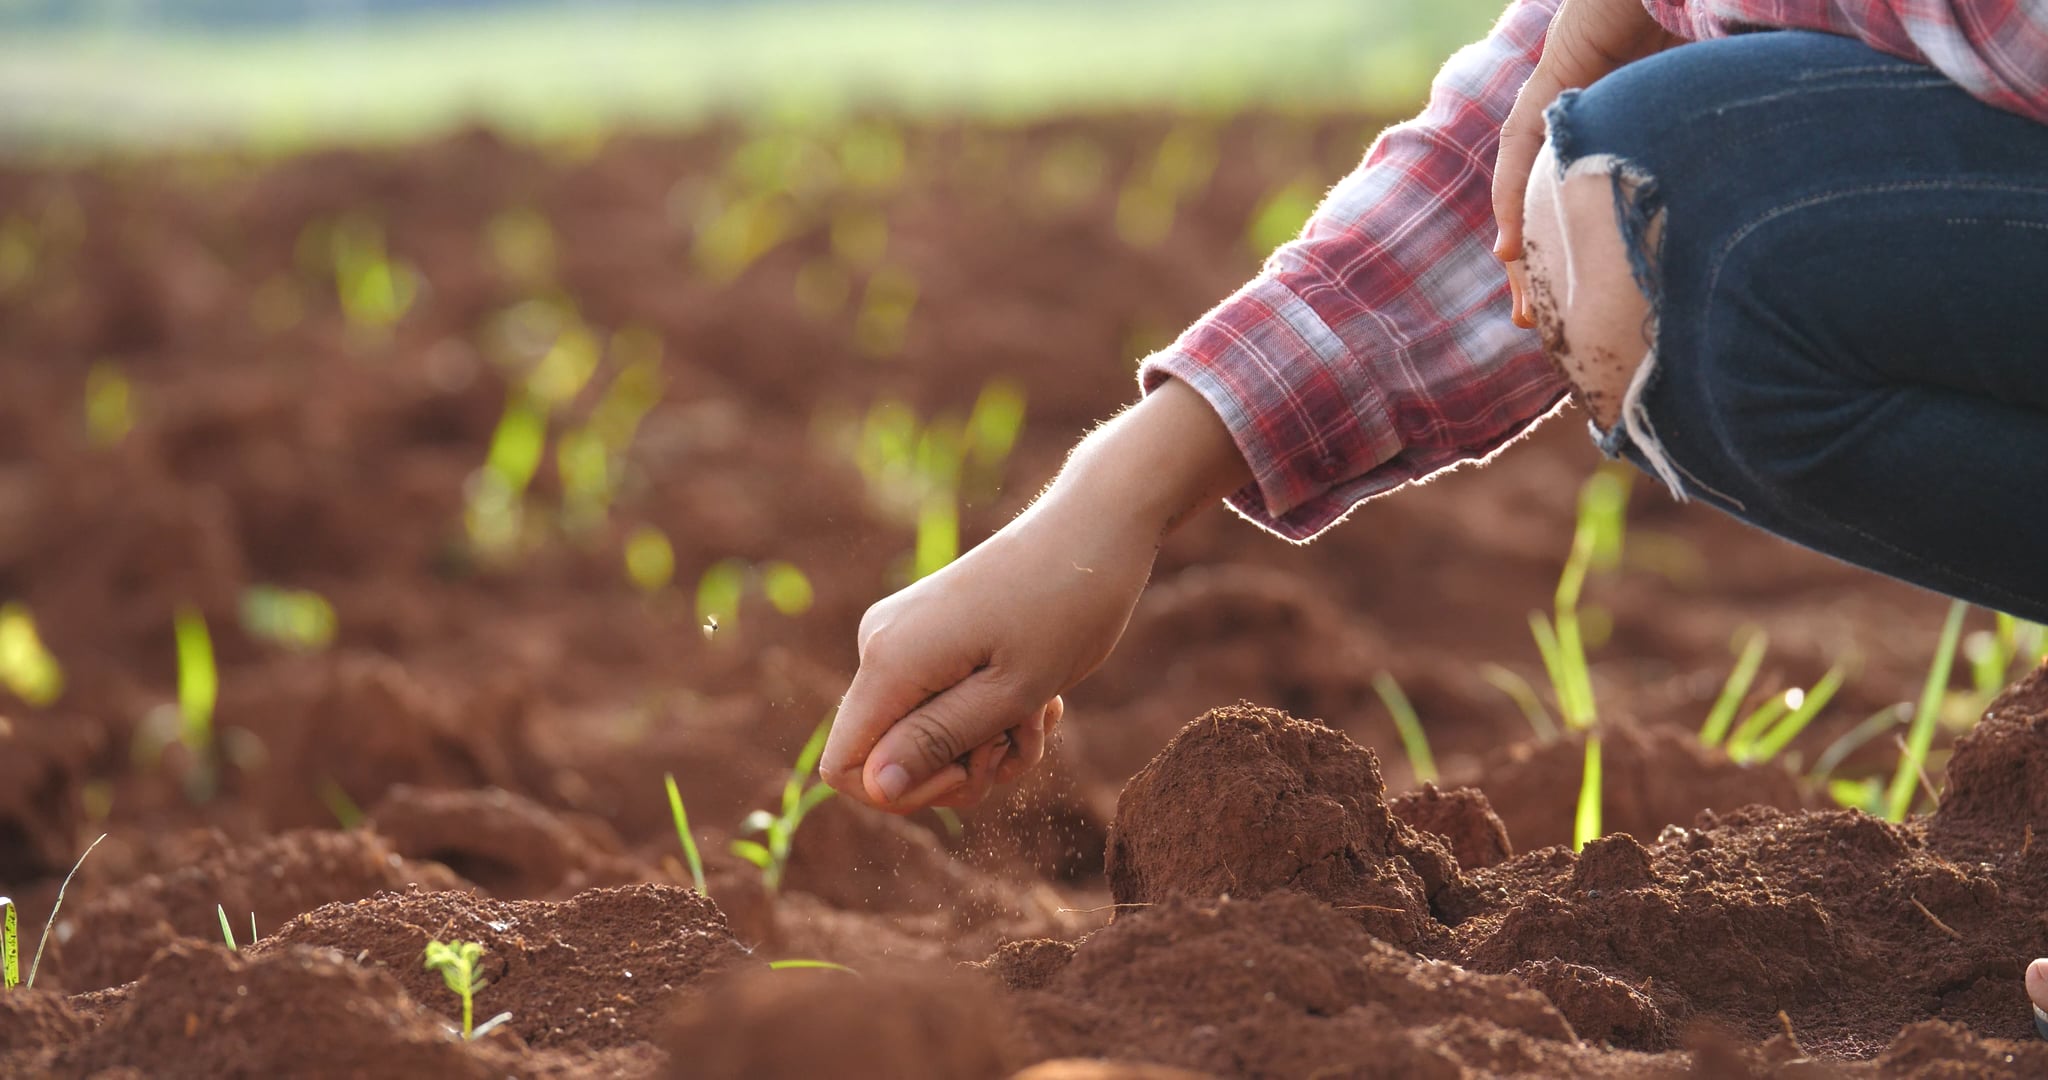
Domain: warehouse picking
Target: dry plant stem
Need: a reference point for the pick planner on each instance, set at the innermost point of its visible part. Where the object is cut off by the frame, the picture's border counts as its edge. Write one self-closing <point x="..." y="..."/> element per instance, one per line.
<point x="54" y="908"/>
<point x="1936" y="919"/>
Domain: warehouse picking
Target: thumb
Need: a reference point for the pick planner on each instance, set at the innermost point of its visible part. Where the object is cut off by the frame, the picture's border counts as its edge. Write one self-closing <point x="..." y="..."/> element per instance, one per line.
<point x="918" y="758"/>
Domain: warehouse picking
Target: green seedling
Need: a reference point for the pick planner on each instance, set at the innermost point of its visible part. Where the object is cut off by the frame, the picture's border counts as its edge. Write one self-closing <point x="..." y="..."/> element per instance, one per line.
<point x="949" y="821"/>
<point x="650" y="559"/>
<point x="1408" y="724"/>
<point x="12" y="945"/>
<point x="1856" y="738"/>
<point x="1920" y="738"/>
<point x="457" y="961"/>
<point x="375" y="290"/>
<point x="1596" y="544"/>
<point x="109" y="408"/>
<point x="1524" y="697"/>
<point x="1722" y="716"/>
<point x="1773" y="726"/>
<point x="198" y="689"/>
<point x="26" y="668"/>
<point x="726" y="583"/>
<point x="809" y="965"/>
<point x="801" y="794"/>
<point x="682" y="820"/>
<point x="920" y="472"/>
<point x="1586" y="821"/>
<point x="300" y="620"/>
<point x="227" y="932"/>
<point x="346" y="812"/>
<point x="882" y="324"/>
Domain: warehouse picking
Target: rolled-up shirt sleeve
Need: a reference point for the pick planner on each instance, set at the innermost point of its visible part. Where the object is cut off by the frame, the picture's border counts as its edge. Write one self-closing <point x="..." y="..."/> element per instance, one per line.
<point x="1996" y="50"/>
<point x="1377" y="348"/>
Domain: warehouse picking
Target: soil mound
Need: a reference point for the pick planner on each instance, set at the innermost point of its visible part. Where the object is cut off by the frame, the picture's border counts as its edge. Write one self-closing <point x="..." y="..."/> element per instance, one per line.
<point x="1462" y="818"/>
<point x="1997" y="791"/>
<point x="1651" y="777"/>
<point x="1306" y="811"/>
<point x="595" y="971"/>
<point x="115" y="932"/>
<point x="874" y="1026"/>
<point x="1282" y="986"/>
<point x="511" y="846"/>
<point x="217" y="1013"/>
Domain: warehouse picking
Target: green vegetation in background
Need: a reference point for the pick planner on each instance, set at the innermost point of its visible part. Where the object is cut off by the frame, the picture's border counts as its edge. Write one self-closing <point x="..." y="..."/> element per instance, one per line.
<point x="558" y="71"/>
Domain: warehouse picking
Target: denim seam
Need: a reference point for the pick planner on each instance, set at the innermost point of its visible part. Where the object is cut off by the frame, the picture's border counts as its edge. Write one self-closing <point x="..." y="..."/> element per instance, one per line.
<point x="1706" y="324"/>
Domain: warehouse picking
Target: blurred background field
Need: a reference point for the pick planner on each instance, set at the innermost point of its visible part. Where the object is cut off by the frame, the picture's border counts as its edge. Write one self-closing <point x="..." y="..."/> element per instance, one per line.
<point x="291" y="72"/>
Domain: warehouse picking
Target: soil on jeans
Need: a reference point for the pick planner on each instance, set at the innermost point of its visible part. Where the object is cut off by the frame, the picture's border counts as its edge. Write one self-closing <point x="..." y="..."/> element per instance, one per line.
<point x="480" y="751"/>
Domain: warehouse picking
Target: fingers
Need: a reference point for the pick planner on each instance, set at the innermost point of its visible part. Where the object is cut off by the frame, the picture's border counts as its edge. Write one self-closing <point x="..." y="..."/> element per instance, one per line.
<point x="2037" y="984"/>
<point x="934" y="738"/>
<point x="1030" y="743"/>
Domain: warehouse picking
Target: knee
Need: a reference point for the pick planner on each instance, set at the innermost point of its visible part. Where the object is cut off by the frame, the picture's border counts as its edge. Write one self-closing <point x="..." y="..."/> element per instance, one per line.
<point x="1584" y="277"/>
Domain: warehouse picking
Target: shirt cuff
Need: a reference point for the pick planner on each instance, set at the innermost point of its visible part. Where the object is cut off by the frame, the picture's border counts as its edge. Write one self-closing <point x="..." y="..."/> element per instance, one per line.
<point x="1294" y="401"/>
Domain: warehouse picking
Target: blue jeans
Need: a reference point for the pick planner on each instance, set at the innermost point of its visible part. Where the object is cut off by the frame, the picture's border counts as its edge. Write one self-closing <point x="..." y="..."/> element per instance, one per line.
<point x="1850" y="295"/>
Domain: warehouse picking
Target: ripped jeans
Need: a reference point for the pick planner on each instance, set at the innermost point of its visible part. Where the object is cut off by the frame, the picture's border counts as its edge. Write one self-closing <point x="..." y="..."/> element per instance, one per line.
<point x="1845" y="259"/>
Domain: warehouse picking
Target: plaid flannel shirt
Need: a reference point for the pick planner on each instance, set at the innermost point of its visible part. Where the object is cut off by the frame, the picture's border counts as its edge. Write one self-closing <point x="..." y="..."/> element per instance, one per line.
<point x="1376" y="349"/>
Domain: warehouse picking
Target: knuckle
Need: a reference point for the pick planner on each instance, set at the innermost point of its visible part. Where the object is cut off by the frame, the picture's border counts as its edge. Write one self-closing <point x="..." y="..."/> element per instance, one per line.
<point x="932" y="741"/>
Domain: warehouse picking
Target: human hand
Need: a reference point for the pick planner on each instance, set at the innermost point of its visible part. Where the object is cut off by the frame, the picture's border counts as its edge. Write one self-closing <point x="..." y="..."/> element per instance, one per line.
<point x="1588" y="39"/>
<point x="960" y="674"/>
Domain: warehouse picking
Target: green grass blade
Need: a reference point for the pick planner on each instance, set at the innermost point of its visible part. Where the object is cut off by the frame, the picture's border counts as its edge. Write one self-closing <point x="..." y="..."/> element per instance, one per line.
<point x="227" y="932"/>
<point x="198" y="682"/>
<point x="10" y="946"/>
<point x="682" y="820"/>
<point x="1586" y="823"/>
<point x="809" y="965"/>
<point x="1514" y="686"/>
<point x="1753" y="726"/>
<point x="1855" y="739"/>
<point x="1553" y="664"/>
<point x="1722" y="715"/>
<point x="1779" y="737"/>
<point x="1408" y="724"/>
<point x="1571" y="654"/>
<point x="1899" y="797"/>
<point x="37" y="964"/>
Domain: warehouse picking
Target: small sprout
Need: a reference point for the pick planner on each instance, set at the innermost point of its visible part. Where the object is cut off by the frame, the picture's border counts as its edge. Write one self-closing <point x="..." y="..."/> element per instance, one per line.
<point x="10" y="945"/>
<point x="1759" y="741"/>
<point x="689" y="842"/>
<point x="1856" y="738"/>
<point x="882" y="324"/>
<point x="198" y="682"/>
<point x="1912" y="764"/>
<point x="719" y="592"/>
<point x="1754" y="643"/>
<point x="786" y="588"/>
<point x="801" y="794"/>
<point x="228" y="932"/>
<point x="1524" y="695"/>
<point x="109" y="407"/>
<point x="1586" y="822"/>
<point x="949" y="821"/>
<point x="300" y="620"/>
<point x="346" y="812"/>
<point x="522" y="247"/>
<point x="809" y="965"/>
<point x="1413" y="740"/>
<point x="375" y="290"/>
<point x="650" y="559"/>
<point x="26" y="668"/>
<point x="456" y="961"/>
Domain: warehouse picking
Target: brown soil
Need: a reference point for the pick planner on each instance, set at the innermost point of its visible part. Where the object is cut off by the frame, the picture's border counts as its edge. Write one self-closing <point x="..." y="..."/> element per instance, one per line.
<point x="1287" y="900"/>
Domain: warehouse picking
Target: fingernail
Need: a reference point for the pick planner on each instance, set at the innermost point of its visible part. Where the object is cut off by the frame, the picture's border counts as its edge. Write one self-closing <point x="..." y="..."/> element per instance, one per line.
<point x="894" y="780"/>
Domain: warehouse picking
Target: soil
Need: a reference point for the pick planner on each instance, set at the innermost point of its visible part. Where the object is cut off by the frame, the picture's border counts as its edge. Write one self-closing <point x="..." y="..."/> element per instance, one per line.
<point x="1228" y="866"/>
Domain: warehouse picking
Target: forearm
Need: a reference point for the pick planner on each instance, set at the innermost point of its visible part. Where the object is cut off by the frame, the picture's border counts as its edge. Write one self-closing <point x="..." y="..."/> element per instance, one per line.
<point x="1150" y="469"/>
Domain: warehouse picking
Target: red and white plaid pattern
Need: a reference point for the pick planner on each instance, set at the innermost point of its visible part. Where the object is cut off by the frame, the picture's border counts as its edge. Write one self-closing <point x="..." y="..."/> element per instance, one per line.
<point x="1377" y="349"/>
